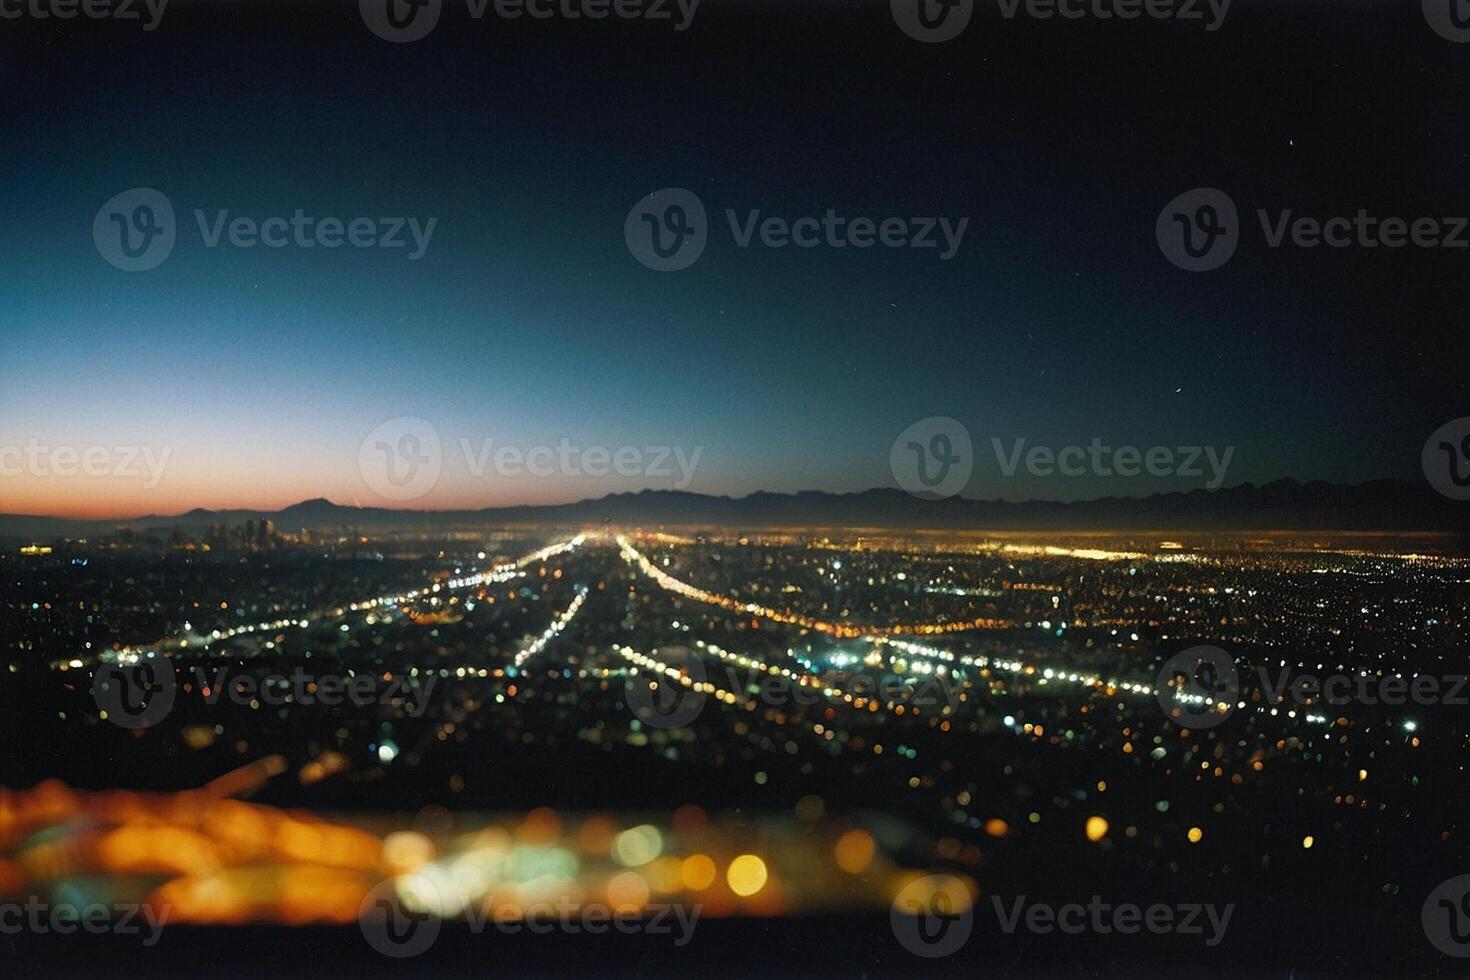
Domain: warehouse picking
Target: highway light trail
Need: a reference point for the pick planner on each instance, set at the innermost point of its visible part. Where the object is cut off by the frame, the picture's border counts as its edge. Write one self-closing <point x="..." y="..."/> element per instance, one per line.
<point x="550" y="633"/>
<point x="679" y="587"/>
<point x="189" y="641"/>
<point x="653" y="665"/>
<point x="878" y="635"/>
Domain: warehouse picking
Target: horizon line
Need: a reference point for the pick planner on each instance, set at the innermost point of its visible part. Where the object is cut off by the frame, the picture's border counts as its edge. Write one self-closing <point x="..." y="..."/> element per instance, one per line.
<point x="694" y="493"/>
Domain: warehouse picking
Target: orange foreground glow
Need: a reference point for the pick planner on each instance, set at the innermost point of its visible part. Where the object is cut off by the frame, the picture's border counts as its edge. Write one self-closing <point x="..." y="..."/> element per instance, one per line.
<point x="203" y="856"/>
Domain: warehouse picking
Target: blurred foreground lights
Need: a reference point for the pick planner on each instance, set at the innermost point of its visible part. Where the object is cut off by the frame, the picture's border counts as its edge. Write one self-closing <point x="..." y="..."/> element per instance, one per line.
<point x="627" y="891"/>
<point x="854" y="851"/>
<point x="1097" y="829"/>
<point x="1196" y="835"/>
<point x="698" y="872"/>
<point x="433" y="890"/>
<point x="746" y="875"/>
<point x="420" y="895"/>
<point x="934" y="895"/>
<point x="638" y="845"/>
<point x="665" y="876"/>
<point x="406" y="850"/>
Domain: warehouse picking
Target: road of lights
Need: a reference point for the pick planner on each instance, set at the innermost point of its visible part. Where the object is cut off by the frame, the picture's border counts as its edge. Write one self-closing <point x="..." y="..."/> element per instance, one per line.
<point x="1048" y="675"/>
<point x="888" y="635"/>
<point x="679" y="587"/>
<point x="810" y="677"/>
<point x="655" y="666"/>
<point x="881" y="635"/>
<point x="187" y="640"/>
<point x="550" y="633"/>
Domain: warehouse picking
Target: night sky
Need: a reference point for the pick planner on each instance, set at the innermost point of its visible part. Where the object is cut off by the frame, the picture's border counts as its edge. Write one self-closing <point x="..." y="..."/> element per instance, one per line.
<point x="528" y="321"/>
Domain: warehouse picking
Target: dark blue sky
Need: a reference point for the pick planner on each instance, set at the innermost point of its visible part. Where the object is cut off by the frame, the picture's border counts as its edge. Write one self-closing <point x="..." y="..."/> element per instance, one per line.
<point x="528" y="321"/>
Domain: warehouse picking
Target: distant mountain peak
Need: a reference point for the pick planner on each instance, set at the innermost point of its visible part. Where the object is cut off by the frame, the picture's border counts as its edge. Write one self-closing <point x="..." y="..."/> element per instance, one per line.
<point x="315" y="504"/>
